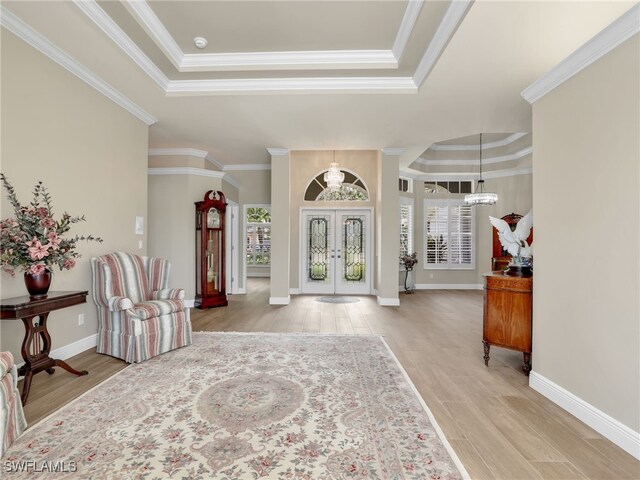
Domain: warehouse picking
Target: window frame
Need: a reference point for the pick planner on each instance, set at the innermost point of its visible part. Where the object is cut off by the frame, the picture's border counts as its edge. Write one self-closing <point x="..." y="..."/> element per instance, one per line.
<point x="245" y="245"/>
<point x="407" y="201"/>
<point x="450" y="203"/>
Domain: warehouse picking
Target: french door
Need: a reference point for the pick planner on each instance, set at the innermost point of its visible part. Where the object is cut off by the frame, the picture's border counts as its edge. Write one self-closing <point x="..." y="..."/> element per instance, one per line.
<point x="336" y="251"/>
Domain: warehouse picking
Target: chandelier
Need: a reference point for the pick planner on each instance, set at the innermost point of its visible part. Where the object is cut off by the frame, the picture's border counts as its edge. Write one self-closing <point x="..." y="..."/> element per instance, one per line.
<point x="480" y="197"/>
<point x="334" y="177"/>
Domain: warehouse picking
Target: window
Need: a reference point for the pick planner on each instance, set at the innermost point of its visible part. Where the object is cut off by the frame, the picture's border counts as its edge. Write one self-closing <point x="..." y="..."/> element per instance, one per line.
<point x="258" y="236"/>
<point x="353" y="189"/>
<point x="449" y="239"/>
<point x="455" y="186"/>
<point x="405" y="185"/>
<point x="406" y="226"/>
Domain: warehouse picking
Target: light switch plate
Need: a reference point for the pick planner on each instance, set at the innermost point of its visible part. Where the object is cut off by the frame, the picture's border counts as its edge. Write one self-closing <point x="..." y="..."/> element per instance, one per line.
<point x="139" y="225"/>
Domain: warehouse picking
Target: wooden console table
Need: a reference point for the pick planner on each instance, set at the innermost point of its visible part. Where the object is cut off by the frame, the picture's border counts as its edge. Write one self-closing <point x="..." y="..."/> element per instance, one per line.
<point x="507" y="315"/>
<point x="36" y="345"/>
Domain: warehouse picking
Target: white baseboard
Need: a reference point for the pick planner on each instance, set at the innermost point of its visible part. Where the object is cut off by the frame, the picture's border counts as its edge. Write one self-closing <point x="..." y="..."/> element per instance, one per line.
<point x="448" y="286"/>
<point x="618" y="433"/>
<point x="191" y="303"/>
<point x="294" y="291"/>
<point x="279" y="300"/>
<point x="388" y="302"/>
<point x="72" y="349"/>
<point x="242" y="291"/>
<point x="259" y="275"/>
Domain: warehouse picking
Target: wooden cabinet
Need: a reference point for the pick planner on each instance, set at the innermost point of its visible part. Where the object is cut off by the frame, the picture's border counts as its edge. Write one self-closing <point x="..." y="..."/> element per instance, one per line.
<point x="210" y="251"/>
<point x="507" y="315"/>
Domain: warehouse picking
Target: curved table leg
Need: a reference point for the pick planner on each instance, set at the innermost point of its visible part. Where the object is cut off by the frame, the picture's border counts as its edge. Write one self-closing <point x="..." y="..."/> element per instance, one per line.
<point x="65" y="365"/>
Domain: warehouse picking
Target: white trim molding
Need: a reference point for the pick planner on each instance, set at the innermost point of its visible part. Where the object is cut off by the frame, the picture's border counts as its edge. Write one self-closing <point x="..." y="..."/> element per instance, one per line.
<point x="310" y="60"/>
<point x="613" y="35"/>
<point x="280" y="300"/>
<point x="609" y="427"/>
<point x="406" y="27"/>
<point x="92" y="10"/>
<point x="277" y="151"/>
<point x="392" y="151"/>
<point x="294" y="291"/>
<point x="191" y="303"/>
<point x="498" y="143"/>
<point x="198" y="172"/>
<point x="248" y="166"/>
<point x="293" y="85"/>
<point x="448" y="286"/>
<point x="231" y="180"/>
<point x="502" y="158"/>
<point x="16" y="26"/>
<point x="448" y="26"/>
<point x="388" y="302"/>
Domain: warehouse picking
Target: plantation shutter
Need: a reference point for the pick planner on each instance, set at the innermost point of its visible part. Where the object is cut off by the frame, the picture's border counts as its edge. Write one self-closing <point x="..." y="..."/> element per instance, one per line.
<point x="449" y="238"/>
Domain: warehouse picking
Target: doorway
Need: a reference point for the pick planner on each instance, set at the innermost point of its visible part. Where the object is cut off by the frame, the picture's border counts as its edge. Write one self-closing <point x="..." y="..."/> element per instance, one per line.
<point x="336" y="251"/>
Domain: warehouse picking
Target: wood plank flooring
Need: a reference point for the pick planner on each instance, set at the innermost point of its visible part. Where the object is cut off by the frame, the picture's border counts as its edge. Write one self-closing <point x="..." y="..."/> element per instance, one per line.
<point x="500" y="428"/>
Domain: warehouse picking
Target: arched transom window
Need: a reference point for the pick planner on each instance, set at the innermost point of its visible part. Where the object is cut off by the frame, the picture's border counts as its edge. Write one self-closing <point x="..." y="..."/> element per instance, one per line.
<point x="353" y="189"/>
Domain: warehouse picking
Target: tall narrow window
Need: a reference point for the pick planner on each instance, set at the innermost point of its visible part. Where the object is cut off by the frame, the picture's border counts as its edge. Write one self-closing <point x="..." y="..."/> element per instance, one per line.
<point x="406" y="226"/>
<point x="258" y="234"/>
<point x="449" y="234"/>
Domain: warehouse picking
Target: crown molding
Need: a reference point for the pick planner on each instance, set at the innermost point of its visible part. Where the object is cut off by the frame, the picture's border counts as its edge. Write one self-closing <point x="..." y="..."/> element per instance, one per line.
<point x="215" y="162"/>
<point x="448" y="26"/>
<point x="148" y="20"/>
<point x="392" y="151"/>
<point x="163" y="152"/>
<point x="16" y="26"/>
<point x="293" y="85"/>
<point x="231" y="180"/>
<point x="248" y="166"/>
<point x="485" y="161"/>
<point x="509" y="172"/>
<point x="613" y="35"/>
<point x="95" y="13"/>
<point x="498" y="143"/>
<point x="277" y="151"/>
<point x="311" y="60"/>
<point x="406" y="27"/>
<point x="198" y="172"/>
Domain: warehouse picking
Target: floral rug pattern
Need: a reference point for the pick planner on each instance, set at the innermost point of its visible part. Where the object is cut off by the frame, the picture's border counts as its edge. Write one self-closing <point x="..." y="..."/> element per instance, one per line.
<point x="247" y="406"/>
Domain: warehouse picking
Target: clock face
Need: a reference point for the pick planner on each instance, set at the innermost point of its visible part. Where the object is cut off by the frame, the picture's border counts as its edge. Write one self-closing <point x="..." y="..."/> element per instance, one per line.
<point x="213" y="218"/>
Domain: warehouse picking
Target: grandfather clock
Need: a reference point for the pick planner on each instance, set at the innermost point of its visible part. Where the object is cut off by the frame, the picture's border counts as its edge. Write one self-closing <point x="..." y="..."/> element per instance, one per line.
<point x="210" y="268"/>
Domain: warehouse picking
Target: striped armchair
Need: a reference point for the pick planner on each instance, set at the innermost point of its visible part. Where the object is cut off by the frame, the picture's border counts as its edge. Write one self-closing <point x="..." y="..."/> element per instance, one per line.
<point x="138" y="316"/>
<point x="12" y="421"/>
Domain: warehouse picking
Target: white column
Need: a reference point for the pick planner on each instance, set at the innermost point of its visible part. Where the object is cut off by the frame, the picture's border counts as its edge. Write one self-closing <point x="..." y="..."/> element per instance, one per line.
<point x="387" y="227"/>
<point x="280" y="225"/>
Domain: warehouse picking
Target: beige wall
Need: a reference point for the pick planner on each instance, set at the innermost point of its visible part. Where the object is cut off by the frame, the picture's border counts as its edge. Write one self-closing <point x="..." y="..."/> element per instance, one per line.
<point x="586" y="327"/>
<point x="514" y="195"/>
<point x="92" y="156"/>
<point x="172" y="223"/>
<point x="306" y="165"/>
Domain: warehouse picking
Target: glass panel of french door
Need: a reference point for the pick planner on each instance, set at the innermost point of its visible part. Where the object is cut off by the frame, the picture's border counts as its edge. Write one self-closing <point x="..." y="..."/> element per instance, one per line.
<point x="336" y="251"/>
<point x="318" y="251"/>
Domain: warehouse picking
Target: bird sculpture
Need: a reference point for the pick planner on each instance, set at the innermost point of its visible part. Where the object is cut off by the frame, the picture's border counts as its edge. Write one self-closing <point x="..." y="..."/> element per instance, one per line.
<point x="515" y="241"/>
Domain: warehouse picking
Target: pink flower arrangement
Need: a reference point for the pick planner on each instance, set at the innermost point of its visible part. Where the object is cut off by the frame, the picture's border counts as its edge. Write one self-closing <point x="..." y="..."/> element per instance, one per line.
<point x="34" y="241"/>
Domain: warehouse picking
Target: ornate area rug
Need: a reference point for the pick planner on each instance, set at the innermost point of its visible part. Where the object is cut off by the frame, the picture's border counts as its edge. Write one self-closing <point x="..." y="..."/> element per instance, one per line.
<point x="246" y="406"/>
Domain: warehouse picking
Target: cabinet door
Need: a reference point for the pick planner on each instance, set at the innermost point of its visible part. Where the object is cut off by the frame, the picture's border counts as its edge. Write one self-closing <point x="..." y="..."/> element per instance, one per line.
<point x="507" y="319"/>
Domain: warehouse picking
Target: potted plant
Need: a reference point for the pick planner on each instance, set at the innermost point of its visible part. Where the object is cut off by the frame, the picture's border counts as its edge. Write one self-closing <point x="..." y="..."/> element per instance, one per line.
<point x="34" y="242"/>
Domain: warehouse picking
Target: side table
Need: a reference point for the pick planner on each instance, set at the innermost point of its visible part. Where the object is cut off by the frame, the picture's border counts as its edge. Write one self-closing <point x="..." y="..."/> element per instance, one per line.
<point x="36" y="345"/>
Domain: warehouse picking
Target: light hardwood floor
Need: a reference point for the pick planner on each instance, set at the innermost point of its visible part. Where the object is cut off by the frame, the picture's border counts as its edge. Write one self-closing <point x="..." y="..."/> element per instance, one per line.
<point x="499" y="427"/>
